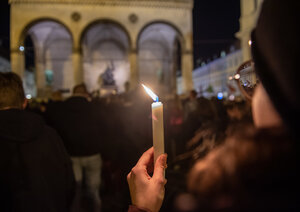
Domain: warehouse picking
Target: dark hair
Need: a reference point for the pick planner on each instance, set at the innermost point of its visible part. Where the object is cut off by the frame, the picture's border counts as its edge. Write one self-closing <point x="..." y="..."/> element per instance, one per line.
<point x="11" y="91"/>
<point x="193" y="93"/>
<point x="80" y="89"/>
<point x="249" y="165"/>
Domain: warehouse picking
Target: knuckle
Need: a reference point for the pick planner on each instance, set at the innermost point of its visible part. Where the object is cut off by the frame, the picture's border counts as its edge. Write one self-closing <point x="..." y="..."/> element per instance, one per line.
<point x="146" y="154"/>
<point x="135" y="170"/>
<point x="128" y="176"/>
<point x="161" y="181"/>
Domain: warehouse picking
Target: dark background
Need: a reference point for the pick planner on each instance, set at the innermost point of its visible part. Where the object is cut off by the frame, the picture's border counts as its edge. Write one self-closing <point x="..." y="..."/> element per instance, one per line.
<point x="214" y="23"/>
<point x="4" y="29"/>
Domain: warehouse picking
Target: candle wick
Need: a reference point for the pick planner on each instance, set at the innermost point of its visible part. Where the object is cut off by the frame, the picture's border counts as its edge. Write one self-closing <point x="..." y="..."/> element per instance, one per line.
<point x="157" y="99"/>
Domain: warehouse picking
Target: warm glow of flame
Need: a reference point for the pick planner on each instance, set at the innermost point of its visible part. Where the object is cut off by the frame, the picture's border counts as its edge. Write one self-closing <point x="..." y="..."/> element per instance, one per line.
<point x="150" y="93"/>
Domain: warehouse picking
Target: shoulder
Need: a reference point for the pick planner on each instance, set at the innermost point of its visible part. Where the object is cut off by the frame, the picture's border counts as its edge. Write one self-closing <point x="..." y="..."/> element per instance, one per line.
<point x="50" y="138"/>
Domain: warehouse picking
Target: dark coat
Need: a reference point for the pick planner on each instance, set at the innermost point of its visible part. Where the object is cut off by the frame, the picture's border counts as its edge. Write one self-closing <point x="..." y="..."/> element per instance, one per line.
<point x="78" y="124"/>
<point x="36" y="172"/>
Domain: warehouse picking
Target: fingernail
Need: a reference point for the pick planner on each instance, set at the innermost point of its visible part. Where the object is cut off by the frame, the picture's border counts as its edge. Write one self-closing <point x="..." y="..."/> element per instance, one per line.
<point x="164" y="160"/>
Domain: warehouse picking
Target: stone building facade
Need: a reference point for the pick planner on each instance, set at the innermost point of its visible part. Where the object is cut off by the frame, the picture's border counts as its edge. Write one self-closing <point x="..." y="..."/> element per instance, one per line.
<point x="77" y="41"/>
<point x="213" y="78"/>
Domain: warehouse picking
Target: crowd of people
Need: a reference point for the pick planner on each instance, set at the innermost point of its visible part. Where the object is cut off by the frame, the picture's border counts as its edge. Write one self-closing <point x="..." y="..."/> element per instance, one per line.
<point x="73" y="154"/>
<point x="104" y="137"/>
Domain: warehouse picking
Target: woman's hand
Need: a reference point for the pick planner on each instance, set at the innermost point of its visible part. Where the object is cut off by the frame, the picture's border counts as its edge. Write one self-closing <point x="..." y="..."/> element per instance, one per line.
<point x="148" y="192"/>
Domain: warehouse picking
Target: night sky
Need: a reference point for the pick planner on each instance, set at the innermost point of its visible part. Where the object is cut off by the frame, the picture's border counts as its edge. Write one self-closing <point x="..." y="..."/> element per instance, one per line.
<point x="214" y="21"/>
<point x="4" y="28"/>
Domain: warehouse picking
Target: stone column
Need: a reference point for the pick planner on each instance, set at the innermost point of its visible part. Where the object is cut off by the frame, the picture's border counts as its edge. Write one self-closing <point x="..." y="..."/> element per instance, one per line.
<point x="17" y="61"/>
<point x="77" y="66"/>
<point x="187" y="71"/>
<point x="134" y="75"/>
<point x="246" y="48"/>
<point x="40" y="65"/>
<point x="175" y="68"/>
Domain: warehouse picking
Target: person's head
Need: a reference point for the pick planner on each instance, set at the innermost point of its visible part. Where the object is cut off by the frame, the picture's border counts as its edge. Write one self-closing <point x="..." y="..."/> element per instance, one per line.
<point x="80" y="90"/>
<point x="193" y="94"/>
<point x="275" y="50"/>
<point x="236" y="110"/>
<point x="11" y="91"/>
<point x="56" y="96"/>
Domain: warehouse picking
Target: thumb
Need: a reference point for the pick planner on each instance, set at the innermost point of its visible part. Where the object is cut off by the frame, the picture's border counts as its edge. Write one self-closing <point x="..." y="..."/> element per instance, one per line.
<point x="160" y="165"/>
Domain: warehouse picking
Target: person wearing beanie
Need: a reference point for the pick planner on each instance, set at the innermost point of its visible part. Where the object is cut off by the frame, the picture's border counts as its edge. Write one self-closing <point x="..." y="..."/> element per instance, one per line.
<point x="275" y="51"/>
<point x="254" y="170"/>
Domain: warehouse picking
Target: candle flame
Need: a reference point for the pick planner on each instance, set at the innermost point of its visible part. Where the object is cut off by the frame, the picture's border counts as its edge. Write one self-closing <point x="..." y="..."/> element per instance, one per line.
<point x="150" y="93"/>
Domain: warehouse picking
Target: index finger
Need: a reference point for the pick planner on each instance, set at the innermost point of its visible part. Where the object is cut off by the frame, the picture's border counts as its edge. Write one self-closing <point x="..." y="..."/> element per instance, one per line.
<point x="146" y="158"/>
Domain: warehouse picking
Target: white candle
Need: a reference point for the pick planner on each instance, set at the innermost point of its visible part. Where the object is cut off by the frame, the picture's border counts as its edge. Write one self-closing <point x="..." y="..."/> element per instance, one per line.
<point x="157" y="124"/>
<point x="158" y="129"/>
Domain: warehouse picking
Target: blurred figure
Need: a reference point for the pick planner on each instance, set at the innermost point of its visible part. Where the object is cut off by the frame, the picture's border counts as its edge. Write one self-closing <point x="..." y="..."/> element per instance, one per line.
<point x="79" y="128"/>
<point x="204" y="118"/>
<point x="235" y="111"/>
<point x="191" y="105"/>
<point x="239" y="115"/>
<point x="36" y="172"/>
<point x="207" y="112"/>
<point x="174" y="122"/>
<point x="128" y="96"/>
<point x="192" y="120"/>
<point x="52" y="108"/>
<point x="56" y="96"/>
<point x="256" y="170"/>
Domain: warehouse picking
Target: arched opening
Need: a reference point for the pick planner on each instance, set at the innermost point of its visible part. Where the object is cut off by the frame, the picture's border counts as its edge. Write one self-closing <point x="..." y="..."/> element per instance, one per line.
<point x="48" y="63"/>
<point x="105" y="47"/>
<point x="159" y="57"/>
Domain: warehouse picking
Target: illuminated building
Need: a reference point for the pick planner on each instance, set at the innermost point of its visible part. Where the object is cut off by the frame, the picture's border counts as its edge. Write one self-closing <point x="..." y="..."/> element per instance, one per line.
<point x="75" y="41"/>
<point x="214" y="77"/>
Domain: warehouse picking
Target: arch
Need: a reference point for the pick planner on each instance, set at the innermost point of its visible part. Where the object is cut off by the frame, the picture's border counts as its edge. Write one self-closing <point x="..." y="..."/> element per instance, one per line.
<point x="42" y="19"/>
<point x="105" y="44"/>
<point x="48" y="35"/>
<point x="118" y="43"/>
<point x="158" y="54"/>
<point x="179" y="33"/>
<point x="104" y="21"/>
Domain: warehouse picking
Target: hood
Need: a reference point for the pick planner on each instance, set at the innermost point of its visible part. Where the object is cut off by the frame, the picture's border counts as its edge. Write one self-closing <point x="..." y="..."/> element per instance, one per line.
<point x="20" y="126"/>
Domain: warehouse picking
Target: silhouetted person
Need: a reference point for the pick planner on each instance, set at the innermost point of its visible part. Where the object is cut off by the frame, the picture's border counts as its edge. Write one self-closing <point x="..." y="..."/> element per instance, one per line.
<point x="191" y="105"/>
<point x="77" y="123"/>
<point x="35" y="170"/>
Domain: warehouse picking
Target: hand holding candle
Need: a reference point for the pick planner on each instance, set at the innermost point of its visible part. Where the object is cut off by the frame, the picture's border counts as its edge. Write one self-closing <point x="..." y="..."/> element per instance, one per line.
<point x="157" y="124"/>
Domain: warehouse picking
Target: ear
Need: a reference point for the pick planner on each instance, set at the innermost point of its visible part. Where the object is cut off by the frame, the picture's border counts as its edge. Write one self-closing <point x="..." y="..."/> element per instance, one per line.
<point x="24" y="103"/>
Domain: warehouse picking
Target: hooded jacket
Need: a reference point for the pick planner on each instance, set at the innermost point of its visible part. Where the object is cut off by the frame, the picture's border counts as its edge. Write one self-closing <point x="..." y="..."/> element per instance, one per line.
<point x="77" y="123"/>
<point x="35" y="170"/>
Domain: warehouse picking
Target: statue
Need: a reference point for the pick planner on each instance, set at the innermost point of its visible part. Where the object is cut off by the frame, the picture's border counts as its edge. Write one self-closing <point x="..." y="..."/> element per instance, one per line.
<point x="106" y="82"/>
<point x="107" y="78"/>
